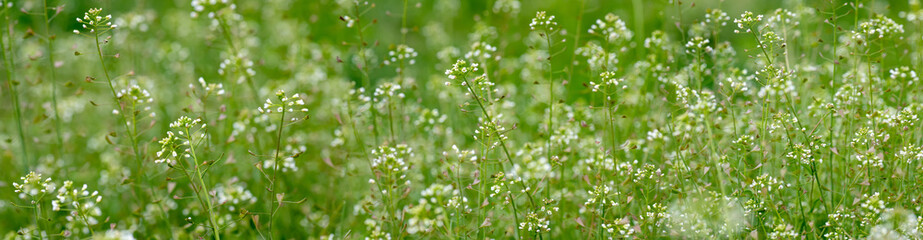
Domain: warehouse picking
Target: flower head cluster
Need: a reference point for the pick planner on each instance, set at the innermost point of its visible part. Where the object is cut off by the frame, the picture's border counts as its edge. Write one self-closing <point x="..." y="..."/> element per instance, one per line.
<point x="234" y="195"/>
<point x="877" y="28"/>
<point x="33" y="186"/>
<point x="431" y="211"/>
<point x="135" y="96"/>
<point x="239" y="62"/>
<point x="386" y="91"/>
<point x="82" y="203"/>
<point x="716" y="16"/>
<point x="460" y="71"/>
<point x="597" y="57"/>
<point x="490" y="133"/>
<point x="210" y="8"/>
<point x="698" y="45"/>
<point x="209" y="88"/>
<point x="507" y="6"/>
<point x="870" y="208"/>
<point x="286" y="105"/>
<point x="94" y="22"/>
<point x="539" y="221"/>
<point x="480" y="51"/>
<point x="767" y="184"/>
<point x="189" y="133"/>
<point x="804" y="153"/>
<point x="600" y="197"/>
<point x="543" y="22"/>
<point x="392" y="159"/>
<point x="747" y="21"/>
<point x="609" y="84"/>
<point x="403" y="52"/>
<point x="904" y="75"/>
<point x="612" y="28"/>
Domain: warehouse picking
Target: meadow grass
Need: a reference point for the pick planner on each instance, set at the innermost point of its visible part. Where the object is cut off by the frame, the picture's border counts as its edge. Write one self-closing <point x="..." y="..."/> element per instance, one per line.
<point x="452" y="119"/>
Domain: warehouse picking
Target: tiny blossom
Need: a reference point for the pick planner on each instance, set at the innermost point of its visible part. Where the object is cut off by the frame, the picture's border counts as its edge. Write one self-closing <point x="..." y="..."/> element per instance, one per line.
<point x="33" y="186"/>
<point x="698" y="45"/>
<point x="392" y="159"/>
<point x="597" y="57"/>
<point x="403" y="52"/>
<point x="507" y="6"/>
<point x="612" y="28"/>
<point x="82" y="204"/>
<point x="716" y="16"/>
<point x="285" y="105"/>
<point x="804" y="153"/>
<point x="136" y="97"/>
<point x="95" y="23"/>
<point x="210" y="8"/>
<point x="480" y="51"/>
<point x="242" y="65"/>
<point x="174" y="147"/>
<point x="877" y="28"/>
<point x="233" y="195"/>
<point x="543" y="22"/>
<point x="782" y="230"/>
<point x="539" y="221"/>
<point x="870" y="208"/>
<point x="846" y="96"/>
<point x="767" y="184"/>
<point x="350" y="22"/>
<point x="904" y="75"/>
<point x="744" y="142"/>
<point x="747" y="21"/>
<point x="608" y="84"/>
<point x="601" y="196"/>
<point x="386" y="91"/>
<point x="209" y="88"/>
<point x="460" y="71"/>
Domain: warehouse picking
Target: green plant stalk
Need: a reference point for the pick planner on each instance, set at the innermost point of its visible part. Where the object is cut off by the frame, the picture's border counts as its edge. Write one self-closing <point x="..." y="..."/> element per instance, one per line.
<point x="199" y="176"/>
<point x="275" y="172"/>
<point x="14" y="94"/>
<point x="131" y="134"/>
<point x="551" y="83"/>
<point x="54" y="85"/>
<point x="505" y="150"/>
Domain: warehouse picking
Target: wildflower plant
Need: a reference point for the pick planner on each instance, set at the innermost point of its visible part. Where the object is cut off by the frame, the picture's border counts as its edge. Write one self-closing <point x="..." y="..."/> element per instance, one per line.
<point x="461" y="120"/>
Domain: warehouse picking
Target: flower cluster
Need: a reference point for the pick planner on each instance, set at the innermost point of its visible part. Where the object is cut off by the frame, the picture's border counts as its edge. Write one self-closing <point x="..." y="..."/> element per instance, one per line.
<point x="233" y="195"/>
<point x="239" y="62"/>
<point x="209" y="88"/>
<point x="135" y="97"/>
<point x="543" y="22"/>
<point x="33" y="186"/>
<point x="612" y="28"/>
<point x="386" y="91"/>
<point x="609" y="84"/>
<point x="747" y="21"/>
<point x="716" y="16"/>
<point x="698" y="45"/>
<point x="877" y="28"/>
<point x="286" y="104"/>
<point x="480" y="51"/>
<point x="403" y="52"/>
<point x="96" y="23"/>
<point x="189" y="134"/>
<point x="82" y="204"/>
<point x="904" y="75"/>
<point x="392" y="159"/>
<point x="210" y="8"/>
<point x="460" y="71"/>
<point x="767" y="184"/>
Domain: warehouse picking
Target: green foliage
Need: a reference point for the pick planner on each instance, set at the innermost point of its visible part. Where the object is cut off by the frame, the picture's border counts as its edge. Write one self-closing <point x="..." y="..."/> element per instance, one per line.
<point x="453" y="119"/>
